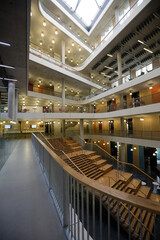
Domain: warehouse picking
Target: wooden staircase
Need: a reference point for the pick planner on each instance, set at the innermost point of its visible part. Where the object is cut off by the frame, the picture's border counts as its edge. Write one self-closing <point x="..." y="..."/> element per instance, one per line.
<point x="92" y="166"/>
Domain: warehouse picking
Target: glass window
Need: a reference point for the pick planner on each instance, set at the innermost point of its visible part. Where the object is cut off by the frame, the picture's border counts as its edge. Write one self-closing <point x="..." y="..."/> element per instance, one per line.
<point x="123" y="13"/>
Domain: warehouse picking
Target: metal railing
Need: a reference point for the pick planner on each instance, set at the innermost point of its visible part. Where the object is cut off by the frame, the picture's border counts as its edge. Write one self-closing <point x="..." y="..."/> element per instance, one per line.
<point x="85" y="206"/>
<point x="135" y="102"/>
<point x="129" y="134"/>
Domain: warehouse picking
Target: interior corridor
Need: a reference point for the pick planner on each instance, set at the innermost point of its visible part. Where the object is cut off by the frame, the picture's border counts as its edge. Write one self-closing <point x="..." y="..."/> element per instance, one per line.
<point x="26" y="208"/>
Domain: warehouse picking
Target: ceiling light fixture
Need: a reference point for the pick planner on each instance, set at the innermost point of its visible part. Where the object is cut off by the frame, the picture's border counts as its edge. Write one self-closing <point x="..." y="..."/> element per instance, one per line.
<point x="140" y="42"/>
<point x="58" y="86"/>
<point x="141" y="119"/>
<point x="72" y="44"/>
<point x="71" y="60"/>
<point x="79" y="49"/>
<point x="147" y="50"/>
<point x="40" y="43"/>
<point x="56" y="32"/>
<point x="78" y="35"/>
<point x="150" y="86"/>
<point x="81" y="58"/>
<point x="27" y="122"/>
<point x="70" y="27"/>
<point x="10" y="79"/>
<point x="50" y="84"/>
<point x="109" y="55"/>
<point x="44" y="24"/>
<point x="85" y="40"/>
<point x="53" y="41"/>
<point x="5" y="44"/>
<point x="6" y="66"/>
<point x="130" y="93"/>
<point x="42" y="34"/>
<point x="69" y="50"/>
<point x="108" y="67"/>
<point x="50" y="48"/>
<point x="59" y="18"/>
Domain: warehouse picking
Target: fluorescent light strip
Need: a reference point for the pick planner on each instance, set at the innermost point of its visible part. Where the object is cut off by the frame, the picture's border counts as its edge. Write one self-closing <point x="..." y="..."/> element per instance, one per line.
<point x="5" y="44"/>
<point x="140" y="41"/>
<point x="109" y="55"/>
<point x="6" y="66"/>
<point x="108" y="67"/>
<point x="147" y="50"/>
<point x="10" y="79"/>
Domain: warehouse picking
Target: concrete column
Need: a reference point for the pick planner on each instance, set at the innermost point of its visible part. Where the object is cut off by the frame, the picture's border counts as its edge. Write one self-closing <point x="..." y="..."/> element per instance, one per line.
<point x="121" y="101"/>
<point x="16" y="105"/>
<point x="63" y="128"/>
<point x="119" y="63"/>
<point x="81" y="131"/>
<point x="11" y="100"/>
<point x="63" y="52"/>
<point x="116" y="15"/>
<point x="123" y="152"/>
<point x="63" y="94"/>
<point x="122" y="144"/>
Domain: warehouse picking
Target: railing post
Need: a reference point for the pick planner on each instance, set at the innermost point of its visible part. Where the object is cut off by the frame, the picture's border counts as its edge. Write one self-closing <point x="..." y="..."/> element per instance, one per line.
<point x="65" y="199"/>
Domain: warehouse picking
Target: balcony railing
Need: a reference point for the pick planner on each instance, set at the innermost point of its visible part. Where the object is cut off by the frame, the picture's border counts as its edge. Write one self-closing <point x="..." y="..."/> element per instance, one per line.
<point x="154" y="135"/>
<point x="133" y="103"/>
<point x="79" y="202"/>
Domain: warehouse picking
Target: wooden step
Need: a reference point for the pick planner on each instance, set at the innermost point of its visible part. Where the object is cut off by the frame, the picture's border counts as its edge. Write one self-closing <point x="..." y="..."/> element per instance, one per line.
<point x="106" y="168"/>
<point x="76" y="148"/>
<point x="94" y="158"/>
<point x="144" y="192"/>
<point x="134" y="184"/>
<point x="89" y="153"/>
<point x="100" y="163"/>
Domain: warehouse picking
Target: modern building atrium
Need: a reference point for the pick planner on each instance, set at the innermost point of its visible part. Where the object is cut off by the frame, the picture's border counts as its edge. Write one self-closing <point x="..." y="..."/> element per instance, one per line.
<point x="80" y="119"/>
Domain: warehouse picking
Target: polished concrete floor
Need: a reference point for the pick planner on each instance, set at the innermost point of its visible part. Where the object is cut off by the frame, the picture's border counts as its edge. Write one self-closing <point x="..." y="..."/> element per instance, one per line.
<point x="26" y="209"/>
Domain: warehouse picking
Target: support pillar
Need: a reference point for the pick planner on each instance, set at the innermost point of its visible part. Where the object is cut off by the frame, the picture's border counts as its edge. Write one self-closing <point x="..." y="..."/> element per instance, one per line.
<point x="116" y="15"/>
<point x="122" y="144"/>
<point x="16" y="105"/>
<point x="63" y="52"/>
<point x="11" y="100"/>
<point x="63" y="95"/>
<point x="119" y="63"/>
<point x="81" y="132"/>
<point x="63" y="128"/>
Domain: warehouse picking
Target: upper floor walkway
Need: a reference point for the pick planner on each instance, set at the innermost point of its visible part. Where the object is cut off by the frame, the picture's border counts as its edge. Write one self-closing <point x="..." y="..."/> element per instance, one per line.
<point x="26" y="208"/>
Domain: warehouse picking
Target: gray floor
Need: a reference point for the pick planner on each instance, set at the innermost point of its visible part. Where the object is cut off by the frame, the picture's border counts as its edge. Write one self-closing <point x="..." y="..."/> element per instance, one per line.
<point x="26" y="208"/>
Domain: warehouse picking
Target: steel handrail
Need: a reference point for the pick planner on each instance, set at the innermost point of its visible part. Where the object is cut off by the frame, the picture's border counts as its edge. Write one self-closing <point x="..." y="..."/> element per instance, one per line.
<point x="63" y="153"/>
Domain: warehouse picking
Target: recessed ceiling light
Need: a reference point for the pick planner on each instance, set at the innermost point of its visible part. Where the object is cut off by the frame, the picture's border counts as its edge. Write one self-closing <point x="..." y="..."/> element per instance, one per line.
<point x="69" y="50"/>
<point x="147" y="50"/>
<point x="109" y="55"/>
<point x="53" y="41"/>
<point x="56" y="32"/>
<point x="44" y="24"/>
<point x="72" y="44"/>
<point x="42" y="34"/>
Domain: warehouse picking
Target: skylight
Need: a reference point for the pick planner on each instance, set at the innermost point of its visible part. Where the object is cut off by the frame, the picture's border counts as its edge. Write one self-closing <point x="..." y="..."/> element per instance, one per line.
<point x="85" y="10"/>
